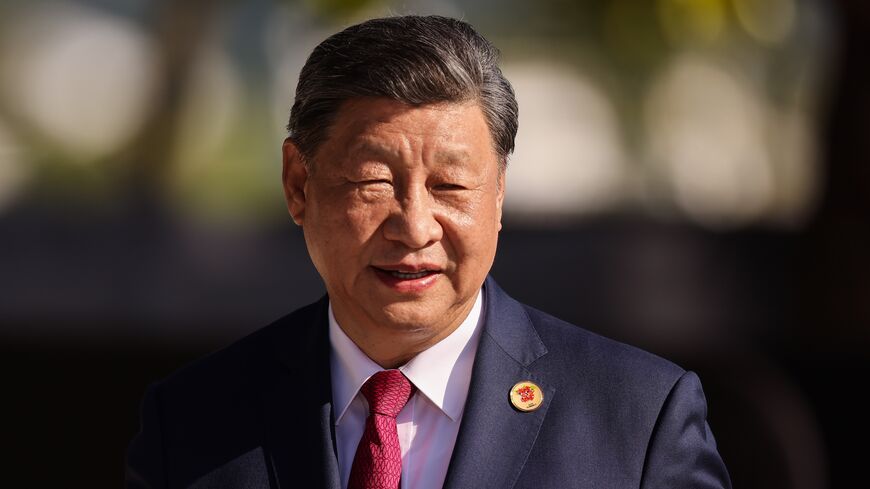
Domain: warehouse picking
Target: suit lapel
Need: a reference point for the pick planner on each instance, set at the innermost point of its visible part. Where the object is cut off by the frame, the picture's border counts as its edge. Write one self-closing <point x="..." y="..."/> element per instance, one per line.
<point x="299" y="424"/>
<point x="495" y="439"/>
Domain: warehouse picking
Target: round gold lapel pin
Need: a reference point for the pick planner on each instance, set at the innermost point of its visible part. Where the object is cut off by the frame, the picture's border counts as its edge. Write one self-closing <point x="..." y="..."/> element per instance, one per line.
<point x="526" y="396"/>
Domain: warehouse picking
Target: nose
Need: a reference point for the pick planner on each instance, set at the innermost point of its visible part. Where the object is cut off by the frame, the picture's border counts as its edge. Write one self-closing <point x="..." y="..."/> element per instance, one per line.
<point x="413" y="222"/>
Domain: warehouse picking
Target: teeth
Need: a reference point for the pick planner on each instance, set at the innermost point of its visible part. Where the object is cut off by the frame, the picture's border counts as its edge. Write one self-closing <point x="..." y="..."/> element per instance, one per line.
<point x="409" y="276"/>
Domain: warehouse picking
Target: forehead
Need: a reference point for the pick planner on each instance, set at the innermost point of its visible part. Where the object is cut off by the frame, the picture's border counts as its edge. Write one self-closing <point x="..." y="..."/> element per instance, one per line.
<point x="392" y="127"/>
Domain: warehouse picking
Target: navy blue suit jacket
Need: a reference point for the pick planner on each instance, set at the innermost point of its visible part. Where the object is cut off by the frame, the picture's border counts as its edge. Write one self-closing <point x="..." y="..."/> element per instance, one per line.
<point x="259" y="413"/>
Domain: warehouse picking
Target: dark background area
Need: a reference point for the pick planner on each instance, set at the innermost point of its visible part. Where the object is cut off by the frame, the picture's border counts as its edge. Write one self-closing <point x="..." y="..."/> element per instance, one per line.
<point x="776" y="322"/>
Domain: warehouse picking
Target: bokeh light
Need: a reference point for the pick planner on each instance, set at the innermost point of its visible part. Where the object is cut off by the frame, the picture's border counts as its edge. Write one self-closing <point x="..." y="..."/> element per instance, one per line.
<point x="83" y="78"/>
<point x="693" y="21"/>
<point x="706" y="129"/>
<point x="14" y="170"/>
<point x="767" y="21"/>
<point x="569" y="156"/>
<point x="209" y="118"/>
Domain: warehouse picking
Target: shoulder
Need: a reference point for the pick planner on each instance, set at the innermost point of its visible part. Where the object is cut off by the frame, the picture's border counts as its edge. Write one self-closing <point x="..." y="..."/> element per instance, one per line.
<point x="610" y="393"/>
<point x="199" y="417"/>
<point x="579" y="355"/>
<point x="562" y="337"/>
<point x="621" y="407"/>
<point x="246" y="364"/>
<point x="571" y="354"/>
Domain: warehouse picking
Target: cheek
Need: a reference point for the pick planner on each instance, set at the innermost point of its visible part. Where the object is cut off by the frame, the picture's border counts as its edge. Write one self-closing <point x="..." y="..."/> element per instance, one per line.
<point x="465" y="212"/>
<point x="332" y="228"/>
<point x="345" y="213"/>
<point x="472" y="230"/>
<point x="361" y="222"/>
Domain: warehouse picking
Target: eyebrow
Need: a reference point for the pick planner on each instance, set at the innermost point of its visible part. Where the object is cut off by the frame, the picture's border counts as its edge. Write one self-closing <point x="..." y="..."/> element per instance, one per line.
<point x="369" y="148"/>
<point x="449" y="156"/>
<point x="453" y="156"/>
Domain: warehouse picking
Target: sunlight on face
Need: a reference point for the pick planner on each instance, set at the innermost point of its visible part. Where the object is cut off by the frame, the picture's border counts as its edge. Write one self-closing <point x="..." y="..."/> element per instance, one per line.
<point x="401" y="211"/>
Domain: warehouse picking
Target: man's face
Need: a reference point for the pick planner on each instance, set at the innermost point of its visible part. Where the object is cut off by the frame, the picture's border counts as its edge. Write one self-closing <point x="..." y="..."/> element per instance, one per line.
<point x="401" y="209"/>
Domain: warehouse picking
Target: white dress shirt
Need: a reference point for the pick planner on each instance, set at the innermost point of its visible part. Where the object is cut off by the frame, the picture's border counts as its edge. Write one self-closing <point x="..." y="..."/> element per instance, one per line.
<point x="429" y="422"/>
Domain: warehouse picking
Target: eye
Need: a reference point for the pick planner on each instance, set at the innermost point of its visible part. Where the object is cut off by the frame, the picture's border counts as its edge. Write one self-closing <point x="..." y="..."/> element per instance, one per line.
<point x="374" y="181"/>
<point x="448" y="187"/>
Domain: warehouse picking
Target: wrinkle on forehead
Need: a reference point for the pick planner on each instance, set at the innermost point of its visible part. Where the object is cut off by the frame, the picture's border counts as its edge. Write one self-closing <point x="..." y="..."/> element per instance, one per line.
<point x="395" y="131"/>
<point x="375" y="148"/>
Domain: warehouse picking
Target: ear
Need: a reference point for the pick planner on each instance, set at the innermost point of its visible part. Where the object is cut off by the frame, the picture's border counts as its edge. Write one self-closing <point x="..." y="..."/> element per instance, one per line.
<point x="294" y="177"/>
<point x="500" y="196"/>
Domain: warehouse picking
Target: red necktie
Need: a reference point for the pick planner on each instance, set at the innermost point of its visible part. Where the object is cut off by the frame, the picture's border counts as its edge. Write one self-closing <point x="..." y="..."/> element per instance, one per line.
<point x="378" y="460"/>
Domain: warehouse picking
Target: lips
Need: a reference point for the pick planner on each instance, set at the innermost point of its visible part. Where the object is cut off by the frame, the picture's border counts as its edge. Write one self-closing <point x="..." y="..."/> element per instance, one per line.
<point x="408" y="276"/>
<point x="409" y="271"/>
<point x="404" y="278"/>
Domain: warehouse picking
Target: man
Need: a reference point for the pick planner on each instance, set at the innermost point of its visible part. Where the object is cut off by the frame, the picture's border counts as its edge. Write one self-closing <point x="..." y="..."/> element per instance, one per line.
<point x="416" y="370"/>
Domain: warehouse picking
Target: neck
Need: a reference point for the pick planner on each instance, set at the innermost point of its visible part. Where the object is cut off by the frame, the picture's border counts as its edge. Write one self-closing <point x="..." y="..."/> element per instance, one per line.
<point x="392" y="349"/>
<point x="393" y="345"/>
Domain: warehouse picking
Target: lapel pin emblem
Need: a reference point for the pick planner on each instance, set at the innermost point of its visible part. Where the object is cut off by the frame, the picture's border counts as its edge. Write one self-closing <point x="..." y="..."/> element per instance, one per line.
<point x="526" y="396"/>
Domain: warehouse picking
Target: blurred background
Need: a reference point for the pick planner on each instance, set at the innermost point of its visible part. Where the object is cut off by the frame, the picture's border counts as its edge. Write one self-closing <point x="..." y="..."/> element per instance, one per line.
<point x="691" y="177"/>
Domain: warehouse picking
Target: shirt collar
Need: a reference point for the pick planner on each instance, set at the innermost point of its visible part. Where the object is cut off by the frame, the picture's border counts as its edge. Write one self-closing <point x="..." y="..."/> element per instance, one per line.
<point x="441" y="373"/>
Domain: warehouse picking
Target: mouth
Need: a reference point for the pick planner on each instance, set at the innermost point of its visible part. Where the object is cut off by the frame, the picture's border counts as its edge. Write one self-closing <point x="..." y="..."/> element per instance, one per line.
<point x="406" y="275"/>
<point x="406" y="279"/>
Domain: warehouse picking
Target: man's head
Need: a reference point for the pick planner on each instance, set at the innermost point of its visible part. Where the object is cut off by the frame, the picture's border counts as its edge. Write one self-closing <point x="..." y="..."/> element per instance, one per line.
<point x="394" y="169"/>
<point x="411" y="59"/>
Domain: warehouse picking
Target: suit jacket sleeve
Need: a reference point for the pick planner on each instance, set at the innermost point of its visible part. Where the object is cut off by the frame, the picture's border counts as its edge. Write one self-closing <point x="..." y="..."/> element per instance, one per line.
<point x="145" y="453"/>
<point x="682" y="451"/>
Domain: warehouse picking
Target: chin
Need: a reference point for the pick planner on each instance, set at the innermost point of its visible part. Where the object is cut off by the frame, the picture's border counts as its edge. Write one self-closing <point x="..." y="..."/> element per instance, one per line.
<point x="410" y="317"/>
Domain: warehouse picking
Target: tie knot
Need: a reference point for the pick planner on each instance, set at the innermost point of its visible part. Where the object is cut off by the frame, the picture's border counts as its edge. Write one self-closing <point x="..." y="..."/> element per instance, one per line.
<point x="387" y="392"/>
